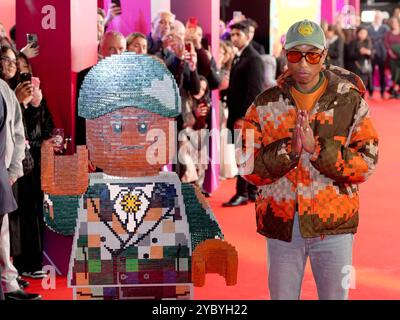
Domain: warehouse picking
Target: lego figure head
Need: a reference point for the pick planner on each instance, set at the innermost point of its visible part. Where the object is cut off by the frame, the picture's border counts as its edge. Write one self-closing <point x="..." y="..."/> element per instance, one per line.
<point x="130" y="119"/>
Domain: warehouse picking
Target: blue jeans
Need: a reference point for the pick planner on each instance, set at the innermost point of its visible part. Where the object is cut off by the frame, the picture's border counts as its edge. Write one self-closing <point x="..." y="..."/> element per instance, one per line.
<point x="330" y="257"/>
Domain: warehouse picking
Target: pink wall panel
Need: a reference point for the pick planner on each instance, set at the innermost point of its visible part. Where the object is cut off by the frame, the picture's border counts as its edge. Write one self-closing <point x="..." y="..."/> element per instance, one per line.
<point x="68" y="48"/>
<point x="328" y="10"/>
<point x="7" y="13"/>
<point x="52" y="66"/>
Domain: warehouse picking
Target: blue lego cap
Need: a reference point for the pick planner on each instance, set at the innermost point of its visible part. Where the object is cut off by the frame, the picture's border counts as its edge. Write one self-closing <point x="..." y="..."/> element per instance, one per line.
<point x="129" y="80"/>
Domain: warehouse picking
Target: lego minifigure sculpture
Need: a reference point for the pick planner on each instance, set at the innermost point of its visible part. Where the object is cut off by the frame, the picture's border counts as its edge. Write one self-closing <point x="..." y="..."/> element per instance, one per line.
<point x="137" y="228"/>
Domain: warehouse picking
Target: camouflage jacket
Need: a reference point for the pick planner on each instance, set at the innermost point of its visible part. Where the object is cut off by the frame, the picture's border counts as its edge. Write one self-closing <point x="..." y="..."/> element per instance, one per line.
<point x="322" y="187"/>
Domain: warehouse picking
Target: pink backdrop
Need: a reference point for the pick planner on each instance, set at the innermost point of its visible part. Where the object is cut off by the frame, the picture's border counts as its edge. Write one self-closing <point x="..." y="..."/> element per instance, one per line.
<point x="135" y="17"/>
<point x="64" y="51"/>
<point x="7" y="13"/>
<point x="331" y="8"/>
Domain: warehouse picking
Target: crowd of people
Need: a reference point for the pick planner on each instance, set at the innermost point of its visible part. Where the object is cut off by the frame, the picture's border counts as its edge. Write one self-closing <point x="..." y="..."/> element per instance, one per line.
<point x="366" y="49"/>
<point x="29" y="124"/>
<point x="242" y="71"/>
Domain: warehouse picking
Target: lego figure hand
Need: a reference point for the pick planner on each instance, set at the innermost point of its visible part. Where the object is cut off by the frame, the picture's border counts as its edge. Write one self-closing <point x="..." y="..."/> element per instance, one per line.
<point x="64" y="175"/>
<point x="214" y="256"/>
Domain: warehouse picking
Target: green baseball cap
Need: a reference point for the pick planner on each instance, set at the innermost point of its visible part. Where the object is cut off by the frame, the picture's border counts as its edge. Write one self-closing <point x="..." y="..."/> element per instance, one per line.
<point x="305" y="32"/>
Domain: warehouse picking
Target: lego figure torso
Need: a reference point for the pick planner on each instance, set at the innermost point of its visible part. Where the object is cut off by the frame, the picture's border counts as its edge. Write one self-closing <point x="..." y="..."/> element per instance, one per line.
<point x="132" y="240"/>
<point x="139" y="233"/>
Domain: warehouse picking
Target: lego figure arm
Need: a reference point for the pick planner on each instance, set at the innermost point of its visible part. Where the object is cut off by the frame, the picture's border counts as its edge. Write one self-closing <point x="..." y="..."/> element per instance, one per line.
<point x="214" y="256"/>
<point x="211" y="254"/>
<point x="64" y="175"/>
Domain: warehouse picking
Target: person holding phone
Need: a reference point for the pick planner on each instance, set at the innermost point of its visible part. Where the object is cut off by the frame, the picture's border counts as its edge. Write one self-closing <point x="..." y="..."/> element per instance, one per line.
<point x="170" y="47"/>
<point x="24" y="89"/>
<point x="39" y="125"/>
<point x="14" y="154"/>
<point x="114" y="10"/>
<point x="206" y="64"/>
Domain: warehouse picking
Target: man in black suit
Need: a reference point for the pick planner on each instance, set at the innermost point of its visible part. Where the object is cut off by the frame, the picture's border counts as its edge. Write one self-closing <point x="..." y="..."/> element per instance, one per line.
<point x="246" y="82"/>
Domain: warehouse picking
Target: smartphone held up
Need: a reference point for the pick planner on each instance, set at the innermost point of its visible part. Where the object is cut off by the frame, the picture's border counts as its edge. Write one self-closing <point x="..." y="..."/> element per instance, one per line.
<point x="188" y="46"/>
<point x="25" y="77"/>
<point x="32" y="39"/>
<point x="117" y="4"/>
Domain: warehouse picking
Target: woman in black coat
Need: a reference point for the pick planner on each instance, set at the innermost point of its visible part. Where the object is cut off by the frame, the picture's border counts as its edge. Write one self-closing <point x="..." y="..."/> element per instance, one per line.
<point x="360" y="54"/>
<point x="38" y="125"/>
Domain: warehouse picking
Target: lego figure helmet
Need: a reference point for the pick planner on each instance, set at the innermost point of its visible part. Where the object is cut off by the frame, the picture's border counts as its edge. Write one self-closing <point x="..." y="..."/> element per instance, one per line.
<point x="125" y="99"/>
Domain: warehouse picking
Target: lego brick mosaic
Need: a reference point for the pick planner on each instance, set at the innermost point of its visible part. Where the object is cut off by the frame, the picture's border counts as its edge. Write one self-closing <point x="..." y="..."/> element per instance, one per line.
<point x="136" y="229"/>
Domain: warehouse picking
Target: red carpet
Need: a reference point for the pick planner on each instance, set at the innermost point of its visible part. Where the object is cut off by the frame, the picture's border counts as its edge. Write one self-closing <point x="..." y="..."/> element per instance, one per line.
<point x="376" y="249"/>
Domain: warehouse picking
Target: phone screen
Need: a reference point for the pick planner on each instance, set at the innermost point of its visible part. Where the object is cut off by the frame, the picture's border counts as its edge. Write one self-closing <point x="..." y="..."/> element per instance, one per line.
<point x="32" y="38"/>
<point x="237" y="15"/>
<point x="188" y="47"/>
<point x="117" y="2"/>
<point x="25" y="77"/>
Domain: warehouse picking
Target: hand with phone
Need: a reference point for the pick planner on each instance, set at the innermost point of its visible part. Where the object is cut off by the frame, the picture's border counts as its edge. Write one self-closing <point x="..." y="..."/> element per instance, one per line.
<point x="193" y="36"/>
<point x="201" y="110"/>
<point x="238" y="16"/>
<point x="31" y="50"/>
<point x="33" y="39"/>
<point x="167" y="40"/>
<point x="24" y="91"/>
<point x="113" y="11"/>
<point x="174" y="43"/>
<point x="190" y="57"/>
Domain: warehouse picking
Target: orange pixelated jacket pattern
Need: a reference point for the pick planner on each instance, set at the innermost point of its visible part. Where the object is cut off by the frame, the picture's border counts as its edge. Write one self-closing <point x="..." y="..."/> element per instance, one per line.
<point x="323" y="187"/>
